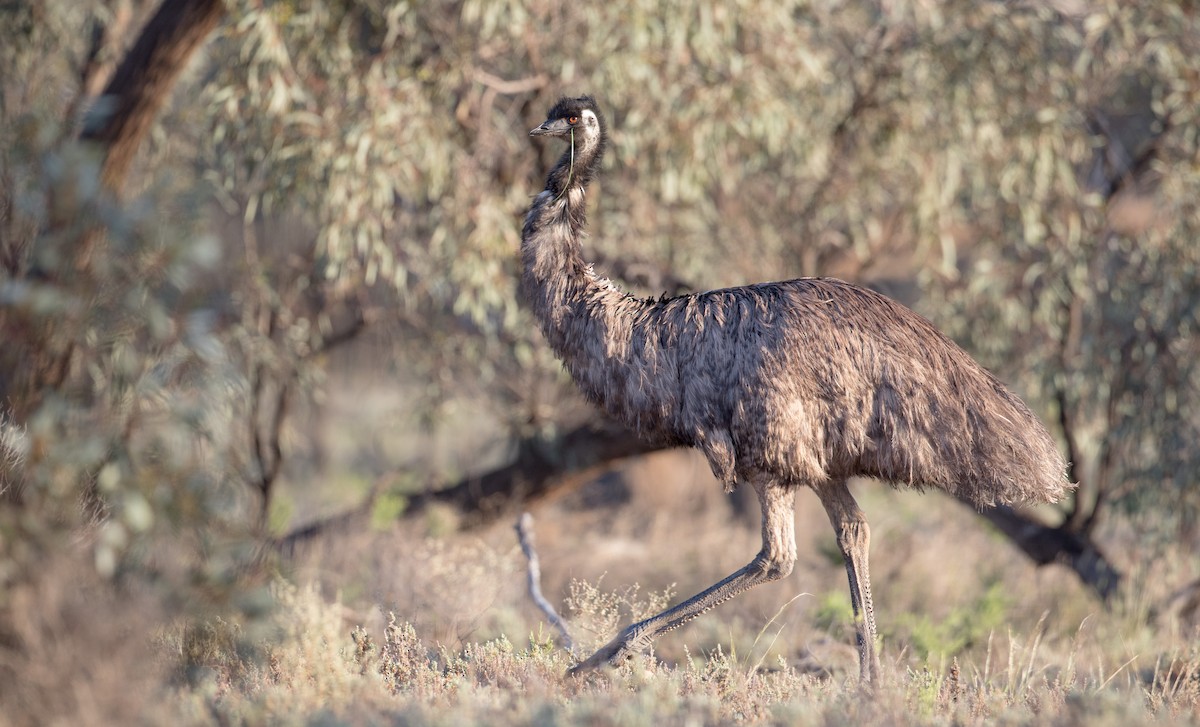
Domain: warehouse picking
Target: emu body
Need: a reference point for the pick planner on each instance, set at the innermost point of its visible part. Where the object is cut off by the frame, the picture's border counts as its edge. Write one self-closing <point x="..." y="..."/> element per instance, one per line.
<point x="801" y="383"/>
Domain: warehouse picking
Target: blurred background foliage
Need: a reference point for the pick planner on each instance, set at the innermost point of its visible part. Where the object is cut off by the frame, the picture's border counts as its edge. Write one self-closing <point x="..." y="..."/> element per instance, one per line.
<point x="1024" y="174"/>
<point x="330" y="207"/>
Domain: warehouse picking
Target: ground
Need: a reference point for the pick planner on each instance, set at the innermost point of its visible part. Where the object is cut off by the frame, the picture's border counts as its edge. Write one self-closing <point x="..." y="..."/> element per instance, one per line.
<point x="426" y="624"/>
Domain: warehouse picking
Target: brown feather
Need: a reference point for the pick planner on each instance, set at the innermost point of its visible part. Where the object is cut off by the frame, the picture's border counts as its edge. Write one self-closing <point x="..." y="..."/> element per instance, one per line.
<point x="804" y="380"/>
<point x="781" y="385"/>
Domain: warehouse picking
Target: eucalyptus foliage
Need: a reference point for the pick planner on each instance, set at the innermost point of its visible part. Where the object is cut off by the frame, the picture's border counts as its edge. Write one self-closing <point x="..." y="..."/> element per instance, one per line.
<point x="976" y="146"/>
<point x="331" y="166"/>
<point x="128" y="456"/>
<point x="1032" y="165"/>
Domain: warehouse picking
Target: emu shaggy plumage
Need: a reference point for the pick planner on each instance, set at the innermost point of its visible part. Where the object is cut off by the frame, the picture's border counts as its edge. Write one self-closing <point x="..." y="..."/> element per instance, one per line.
<point x="783" y="385"/>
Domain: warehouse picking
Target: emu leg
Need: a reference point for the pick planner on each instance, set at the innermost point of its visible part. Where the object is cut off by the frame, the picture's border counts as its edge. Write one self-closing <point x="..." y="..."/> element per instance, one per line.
<point x="854" y="540"/>
<point x="773" y="562"/>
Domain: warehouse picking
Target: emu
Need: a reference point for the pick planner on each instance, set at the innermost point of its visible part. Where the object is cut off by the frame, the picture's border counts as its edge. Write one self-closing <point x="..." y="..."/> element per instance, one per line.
<point x="800" y="383"/>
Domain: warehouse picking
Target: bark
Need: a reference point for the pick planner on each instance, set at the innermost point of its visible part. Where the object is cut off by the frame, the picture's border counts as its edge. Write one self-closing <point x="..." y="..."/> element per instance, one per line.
<point x="1045" y="544"/>
<point x="540" y="470"/>
<point x="142" y="83"/>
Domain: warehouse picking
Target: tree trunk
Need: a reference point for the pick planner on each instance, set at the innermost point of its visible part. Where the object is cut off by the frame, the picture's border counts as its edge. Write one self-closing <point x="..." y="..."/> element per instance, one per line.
<point x="38" y="358"/>
<point x="540" y="470"/>
<point x="1045" y="544"/>
<point x="143" y="82"/>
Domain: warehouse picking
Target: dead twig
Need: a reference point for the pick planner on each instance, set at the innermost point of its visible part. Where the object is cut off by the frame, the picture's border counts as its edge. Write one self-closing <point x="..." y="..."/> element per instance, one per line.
<point x="509" y="88"/>
<point x="524" y="528"/>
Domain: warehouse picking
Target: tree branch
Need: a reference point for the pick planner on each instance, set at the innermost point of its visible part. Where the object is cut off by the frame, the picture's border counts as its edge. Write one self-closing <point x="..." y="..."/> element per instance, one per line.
<point x="1045" y="545"/>
<point x="540" y="470"/>
<point x="1068" y="345"/>
<point x="142" y="83"/>
<point x="543" y="469"/>
<point x="355" y="518"/>
<point x="509" y="88"/>
<point x="524" y="528"/>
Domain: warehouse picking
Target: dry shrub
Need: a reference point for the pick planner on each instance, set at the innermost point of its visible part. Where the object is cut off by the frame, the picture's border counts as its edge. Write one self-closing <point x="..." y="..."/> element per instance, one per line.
<point x="453" y="589"/>
<point x="440" y="630"/>
<point x="1174" y="684"/>
<point x="324" y="667"/>
<point x="75" y="648"/>
<point x="596" y="615"/>
<point x="404" y="661"/>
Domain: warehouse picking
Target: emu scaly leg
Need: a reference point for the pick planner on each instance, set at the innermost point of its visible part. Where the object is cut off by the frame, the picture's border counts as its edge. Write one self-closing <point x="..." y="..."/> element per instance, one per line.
<point x="773" y="562"/>
<point x="854" y="540"/>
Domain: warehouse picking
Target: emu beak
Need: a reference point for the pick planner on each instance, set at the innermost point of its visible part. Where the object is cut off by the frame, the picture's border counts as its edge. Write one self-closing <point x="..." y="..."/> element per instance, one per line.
<point x="551" y="127"/>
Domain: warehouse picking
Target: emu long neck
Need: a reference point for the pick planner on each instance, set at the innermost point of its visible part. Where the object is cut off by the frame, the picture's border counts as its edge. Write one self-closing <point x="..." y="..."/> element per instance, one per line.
<point x="561" y="287"/>
<point x="587" y="319"/>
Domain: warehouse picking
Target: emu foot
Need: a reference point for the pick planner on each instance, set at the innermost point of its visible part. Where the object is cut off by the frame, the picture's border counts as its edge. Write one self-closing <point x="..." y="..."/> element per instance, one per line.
<point x="611" y="654"/>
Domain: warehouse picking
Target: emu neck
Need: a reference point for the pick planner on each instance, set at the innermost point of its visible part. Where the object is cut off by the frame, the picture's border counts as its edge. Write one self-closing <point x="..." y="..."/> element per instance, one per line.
<point x="568" y="173"/>
<point x="596" y="329"/>
<point x="560" y="285"/>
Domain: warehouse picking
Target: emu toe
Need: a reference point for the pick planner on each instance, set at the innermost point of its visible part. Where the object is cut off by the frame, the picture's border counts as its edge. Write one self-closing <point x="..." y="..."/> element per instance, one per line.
<point x="611" y="654"/>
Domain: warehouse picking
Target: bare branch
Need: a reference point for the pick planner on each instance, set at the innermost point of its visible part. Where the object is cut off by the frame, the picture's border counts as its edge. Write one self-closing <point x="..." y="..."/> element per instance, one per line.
<point x="1068" y="345"/>
<point x="524" y="528"/>
<point x="1045" y="545"/>
<point x="511" y="88"/>
<point x="141" y="84"/>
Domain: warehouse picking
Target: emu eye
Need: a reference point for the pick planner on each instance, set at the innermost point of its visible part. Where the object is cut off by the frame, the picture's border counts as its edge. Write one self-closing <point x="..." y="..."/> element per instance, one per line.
<point x="573" y="120"/>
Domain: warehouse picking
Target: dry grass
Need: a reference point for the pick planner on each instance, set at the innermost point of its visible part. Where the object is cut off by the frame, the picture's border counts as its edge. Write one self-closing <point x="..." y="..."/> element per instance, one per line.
<point x="320" y="672"/>
<point x="404" y="627"/>
<point x="71" y="652"/>
<point x="418" y="625"/>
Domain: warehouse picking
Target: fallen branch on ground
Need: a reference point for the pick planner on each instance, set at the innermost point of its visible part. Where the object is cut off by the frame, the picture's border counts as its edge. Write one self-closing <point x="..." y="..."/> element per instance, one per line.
<point x="524" y="528"/>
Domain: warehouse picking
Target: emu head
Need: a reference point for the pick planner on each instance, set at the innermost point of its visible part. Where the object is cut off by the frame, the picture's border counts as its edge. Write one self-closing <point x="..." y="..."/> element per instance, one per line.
<point x="576" y="119"/>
